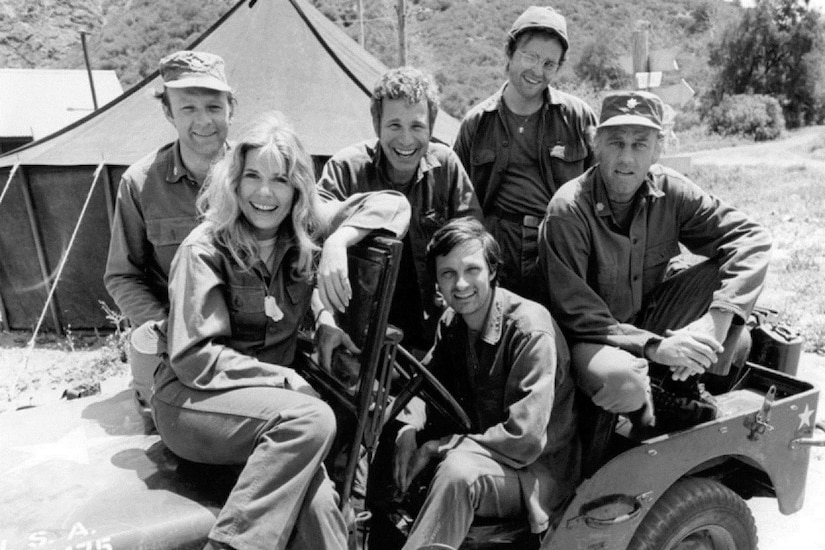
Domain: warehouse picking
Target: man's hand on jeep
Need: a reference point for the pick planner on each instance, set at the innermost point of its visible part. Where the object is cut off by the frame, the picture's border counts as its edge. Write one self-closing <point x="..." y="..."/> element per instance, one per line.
<point x="686" y="352"/>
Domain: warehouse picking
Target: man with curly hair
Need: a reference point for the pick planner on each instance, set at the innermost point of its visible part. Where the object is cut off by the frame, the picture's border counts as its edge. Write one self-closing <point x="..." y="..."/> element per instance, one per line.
<point x="404" y="106"/>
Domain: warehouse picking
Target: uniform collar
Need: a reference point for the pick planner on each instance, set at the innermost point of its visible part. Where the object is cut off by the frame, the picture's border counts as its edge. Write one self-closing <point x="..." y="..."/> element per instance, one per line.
<point x="428" y="162"/>
<point x="491" y="332"/>
<point x="601" y="202"/>
<point x="496" y="101"/>
<point x="177" y="171"/>
<point x="284" y="243"/>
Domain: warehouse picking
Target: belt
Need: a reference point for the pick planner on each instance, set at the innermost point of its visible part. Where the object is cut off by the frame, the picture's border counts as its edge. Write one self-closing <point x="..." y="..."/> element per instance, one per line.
<point x="521" y="219"/>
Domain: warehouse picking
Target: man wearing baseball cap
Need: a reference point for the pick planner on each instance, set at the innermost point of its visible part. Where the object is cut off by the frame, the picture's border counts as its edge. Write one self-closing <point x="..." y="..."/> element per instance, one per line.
<point x="155" y="206"/>
<point x="604" y="247"/>
<point x="523" y="142"/>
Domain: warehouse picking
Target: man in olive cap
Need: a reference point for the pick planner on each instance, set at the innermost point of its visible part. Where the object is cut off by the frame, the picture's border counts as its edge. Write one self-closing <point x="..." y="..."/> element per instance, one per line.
<point x="605" y="245"/>
<point x="523" y="142"/>
<point x="155" y="206"/>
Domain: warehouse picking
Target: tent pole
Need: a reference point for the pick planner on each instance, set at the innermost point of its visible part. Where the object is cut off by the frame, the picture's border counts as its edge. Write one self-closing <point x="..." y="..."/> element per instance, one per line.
<point x="4" y="314"/>
<point x="38" y="245"/>
<point x="4" y="324"/>
<point x="8" y="181"/>
<point x="53" y="288"/>
<point x="107" y="193"/>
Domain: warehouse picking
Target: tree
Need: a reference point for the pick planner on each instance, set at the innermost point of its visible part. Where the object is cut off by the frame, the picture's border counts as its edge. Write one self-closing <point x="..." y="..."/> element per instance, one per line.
<point x="701" y="18"/>
<point x="600" y="66"/>
<point x="776" y="50"/>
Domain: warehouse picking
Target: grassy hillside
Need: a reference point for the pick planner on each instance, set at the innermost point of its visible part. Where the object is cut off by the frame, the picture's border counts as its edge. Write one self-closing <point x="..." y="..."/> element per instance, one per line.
<point x="459" y="41"/>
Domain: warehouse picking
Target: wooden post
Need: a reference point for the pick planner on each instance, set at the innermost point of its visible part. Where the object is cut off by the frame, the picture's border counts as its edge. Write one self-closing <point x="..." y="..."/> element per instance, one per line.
<point x="641" y="54"/>
<point x="361" y="38"/>
<point x="402" y="32"/>
<point x="107" y="193"/>
<point x="88" y="69"/>
<point x="41" y="252"/>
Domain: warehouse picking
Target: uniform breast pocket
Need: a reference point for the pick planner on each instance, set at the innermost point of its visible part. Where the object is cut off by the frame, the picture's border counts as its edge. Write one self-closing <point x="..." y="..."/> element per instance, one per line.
<point x="567" y="161"/>
<point x="606" y="280"/>
<point x="483" y="156"/>
<point x="656" y="259"/>
<point x="166" y="234"/>
<point x="246" y="311"/>
<point x="169" y="231"/>
<point x="298" y="292"/>
<point x="431" y="221"/>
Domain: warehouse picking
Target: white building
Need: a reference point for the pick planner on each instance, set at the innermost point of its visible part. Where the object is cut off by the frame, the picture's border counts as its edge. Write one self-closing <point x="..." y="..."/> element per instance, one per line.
<point x="37" y="102"/>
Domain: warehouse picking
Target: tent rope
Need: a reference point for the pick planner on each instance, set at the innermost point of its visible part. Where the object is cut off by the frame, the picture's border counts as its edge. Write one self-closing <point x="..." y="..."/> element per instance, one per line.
<point x="8" y="181"/>
<point x="13" y="394"/>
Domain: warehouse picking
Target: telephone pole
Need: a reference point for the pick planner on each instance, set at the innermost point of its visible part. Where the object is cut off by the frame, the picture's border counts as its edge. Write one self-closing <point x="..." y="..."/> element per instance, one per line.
<point x="641" y="54"/>
<point x="402" y="32"/>
<point x="361" y="22"/>
<point x="88" y="68"/>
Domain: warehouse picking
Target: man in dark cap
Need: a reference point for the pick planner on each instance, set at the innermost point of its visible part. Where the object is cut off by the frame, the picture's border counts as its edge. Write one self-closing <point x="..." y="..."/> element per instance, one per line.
<point x="605" y="245"/>
<point x="523" y="142"/>
<point x="155" y="206"/>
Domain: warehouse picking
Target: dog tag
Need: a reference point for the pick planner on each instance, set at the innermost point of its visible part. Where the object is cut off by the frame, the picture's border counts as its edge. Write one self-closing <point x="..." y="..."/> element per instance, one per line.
<point x="272" y="310"/>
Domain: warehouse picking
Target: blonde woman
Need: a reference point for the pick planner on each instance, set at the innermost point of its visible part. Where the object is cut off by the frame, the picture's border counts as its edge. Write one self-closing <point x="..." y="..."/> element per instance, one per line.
<point x="240" y="285"/>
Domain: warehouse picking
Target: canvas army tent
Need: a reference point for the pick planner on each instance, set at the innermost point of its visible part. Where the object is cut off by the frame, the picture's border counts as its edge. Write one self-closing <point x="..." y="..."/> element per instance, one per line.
<point x="280" y="55"/>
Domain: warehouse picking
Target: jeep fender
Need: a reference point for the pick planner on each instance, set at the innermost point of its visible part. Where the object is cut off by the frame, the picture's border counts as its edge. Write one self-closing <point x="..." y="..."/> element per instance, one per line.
<point x="607" y="508"/>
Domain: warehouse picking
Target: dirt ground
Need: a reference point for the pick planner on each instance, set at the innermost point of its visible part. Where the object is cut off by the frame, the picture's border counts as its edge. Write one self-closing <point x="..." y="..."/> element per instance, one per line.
<point x="794" y="150"/>
<point x="54" y="365"/>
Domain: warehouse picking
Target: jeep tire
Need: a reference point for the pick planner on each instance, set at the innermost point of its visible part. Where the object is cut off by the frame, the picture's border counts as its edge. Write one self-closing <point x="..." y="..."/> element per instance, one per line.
<point x="697" y="513"/>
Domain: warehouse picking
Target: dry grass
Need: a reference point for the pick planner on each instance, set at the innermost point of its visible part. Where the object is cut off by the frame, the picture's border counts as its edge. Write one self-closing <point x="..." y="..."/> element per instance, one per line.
<point x="790" y="202"/>
<point x="32" y="375"/>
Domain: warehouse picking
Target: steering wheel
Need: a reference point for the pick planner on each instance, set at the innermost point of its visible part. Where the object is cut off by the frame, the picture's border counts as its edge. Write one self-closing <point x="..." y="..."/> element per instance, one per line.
<point x="418" y="380"/>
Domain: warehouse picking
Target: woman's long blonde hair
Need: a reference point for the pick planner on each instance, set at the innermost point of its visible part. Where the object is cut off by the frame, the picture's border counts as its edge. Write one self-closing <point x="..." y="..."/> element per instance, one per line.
<point x="218" y="201"/>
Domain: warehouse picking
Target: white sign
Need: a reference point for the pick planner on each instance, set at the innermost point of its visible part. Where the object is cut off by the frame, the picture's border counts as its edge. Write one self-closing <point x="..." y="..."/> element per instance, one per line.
<point x="677" y="94"/>
<point x="663" y="60"/>
<point x="648" y="80"/>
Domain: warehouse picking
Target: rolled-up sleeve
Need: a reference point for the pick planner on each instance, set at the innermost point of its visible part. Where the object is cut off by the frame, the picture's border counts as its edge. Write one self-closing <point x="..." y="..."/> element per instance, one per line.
<point x="387" y="211"/>
<point x="711" y="228"/>
<point x="336" y="180"/>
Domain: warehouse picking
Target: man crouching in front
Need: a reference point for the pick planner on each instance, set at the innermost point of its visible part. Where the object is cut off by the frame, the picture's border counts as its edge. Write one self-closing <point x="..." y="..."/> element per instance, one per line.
<point x="504" y="360"/>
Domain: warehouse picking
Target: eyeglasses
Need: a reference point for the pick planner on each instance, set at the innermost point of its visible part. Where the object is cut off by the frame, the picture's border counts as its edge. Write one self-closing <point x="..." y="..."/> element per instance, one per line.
<point x="531" y="61"/>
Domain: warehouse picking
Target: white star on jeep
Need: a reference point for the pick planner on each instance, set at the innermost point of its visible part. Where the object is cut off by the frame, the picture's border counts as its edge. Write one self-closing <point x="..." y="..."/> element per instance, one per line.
<point x="805" y="417"/>
<point x="631" y="103"/>
<point x="72" y="447"/>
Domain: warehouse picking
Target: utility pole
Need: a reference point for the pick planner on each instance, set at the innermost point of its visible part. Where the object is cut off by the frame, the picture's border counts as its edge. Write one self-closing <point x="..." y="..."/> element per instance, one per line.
<point x="88" y="68"/>
<point x="641" y="54"/>
<point x="402" y="32"/>
<point x="361" y="39"/>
